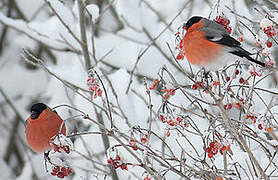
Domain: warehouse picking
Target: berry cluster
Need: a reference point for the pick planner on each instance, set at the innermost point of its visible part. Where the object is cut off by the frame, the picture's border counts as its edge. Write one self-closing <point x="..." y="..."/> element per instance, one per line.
<point x="61" y="143"/>
<point x="267" y="26"/>
<point x="115" y="160"/>
<point x="172" y="121"/>
<point x="228" y="106"/>
<point x="197" y="85"/>
<point x="94" y="87"/>
<point x="206" y="88"/>
<point x="213" y="148"/>
<point x="267" y="128"/>
<point x="132" y="142"/>
<point x="179" y="46"/>
<point x="254" y="72"/>
<point x="270" y="31"/>
<point x="222" y="20"/>
<point x="61" y="172"/>
<point x="58" y="148"/>
<point x="169" y="92"/>
<point x="269" y="63"/>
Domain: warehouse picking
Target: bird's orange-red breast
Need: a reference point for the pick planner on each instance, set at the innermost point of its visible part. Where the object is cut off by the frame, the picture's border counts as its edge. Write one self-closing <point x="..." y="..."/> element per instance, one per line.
<point x="209" y="45"/>
<point x="41" y="126"/>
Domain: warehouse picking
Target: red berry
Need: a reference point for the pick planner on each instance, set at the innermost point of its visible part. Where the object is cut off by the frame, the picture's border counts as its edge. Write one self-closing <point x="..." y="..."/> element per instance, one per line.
<point x="60" y="175"/>
<point x="229" y="29"/>
<point x="64" y="171"/>
<point x="241" y="80"/>
<point x="147" y="178"/>
<point x="143" y="140"/>
<point x="132" y="142"/>
<point x="210" y="155"/>
<point x="240" y="39"/>
<point x="124" y="167"/>
<point x="237" y="72"/>
<point x="230" y="106"/>
<point x="179" y="56"/>
<point x="56" y="148"/>
<point x="268" y="44"/>
<point x="179" y="119"/>
<point x="223" y="148"/>
<point x="269" y="129"/>
<point x="228" y="78"/>
<point x="66" y="148"/>
<point x="260" y="126"/>
<point x="118" y="158"/>
<point x="56" y="169"/>
<point x="194" y="87"/>
<point x="69" y="170"/>
<point x="226" y="21"/>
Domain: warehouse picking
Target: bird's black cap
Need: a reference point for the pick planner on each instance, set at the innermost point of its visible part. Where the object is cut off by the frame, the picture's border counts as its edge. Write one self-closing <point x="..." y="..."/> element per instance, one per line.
<point x="37" y="109"/>
<point x="192" y="21"/>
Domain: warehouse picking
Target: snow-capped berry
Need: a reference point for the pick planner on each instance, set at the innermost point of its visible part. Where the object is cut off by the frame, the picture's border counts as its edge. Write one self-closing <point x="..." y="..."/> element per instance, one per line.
<point x="265" y="23"/>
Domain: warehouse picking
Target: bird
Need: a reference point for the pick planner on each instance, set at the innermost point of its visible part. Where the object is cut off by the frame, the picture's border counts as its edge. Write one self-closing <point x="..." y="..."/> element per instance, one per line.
<point x="208" y="44"/>
<point x="43" y="124"/>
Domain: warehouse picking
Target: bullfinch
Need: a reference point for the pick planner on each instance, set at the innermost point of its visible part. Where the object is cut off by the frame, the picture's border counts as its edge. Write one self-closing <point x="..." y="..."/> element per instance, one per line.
<point x="41" y="126"/>
<point x="208" y="44"/>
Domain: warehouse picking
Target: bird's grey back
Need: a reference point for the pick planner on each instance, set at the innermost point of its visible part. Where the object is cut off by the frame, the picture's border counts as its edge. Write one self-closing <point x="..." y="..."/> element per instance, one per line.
<point x="214" y="26"/>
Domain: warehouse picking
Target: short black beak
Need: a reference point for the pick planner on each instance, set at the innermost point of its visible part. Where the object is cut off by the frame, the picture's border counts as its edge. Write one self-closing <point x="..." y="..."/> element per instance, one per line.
<point x="34" y="115"/>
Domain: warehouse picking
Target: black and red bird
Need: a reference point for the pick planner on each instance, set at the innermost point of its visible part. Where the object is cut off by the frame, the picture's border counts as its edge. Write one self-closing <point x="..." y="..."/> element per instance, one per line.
<point x="41" y="126"/>
<point x="208" y="44"/>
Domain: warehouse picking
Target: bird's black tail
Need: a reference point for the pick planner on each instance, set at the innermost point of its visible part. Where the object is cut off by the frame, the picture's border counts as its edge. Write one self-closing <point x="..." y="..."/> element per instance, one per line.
<point x="243" y="53"/>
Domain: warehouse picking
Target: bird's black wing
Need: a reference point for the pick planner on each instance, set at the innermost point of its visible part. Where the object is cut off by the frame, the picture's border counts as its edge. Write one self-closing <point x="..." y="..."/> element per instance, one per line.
<point x="228" y="41"/>
<point x="225" y="40"/>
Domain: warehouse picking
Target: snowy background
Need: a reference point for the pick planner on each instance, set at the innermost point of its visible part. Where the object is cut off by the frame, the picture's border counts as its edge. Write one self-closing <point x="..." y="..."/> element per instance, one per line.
<point x="126" y="41"/>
